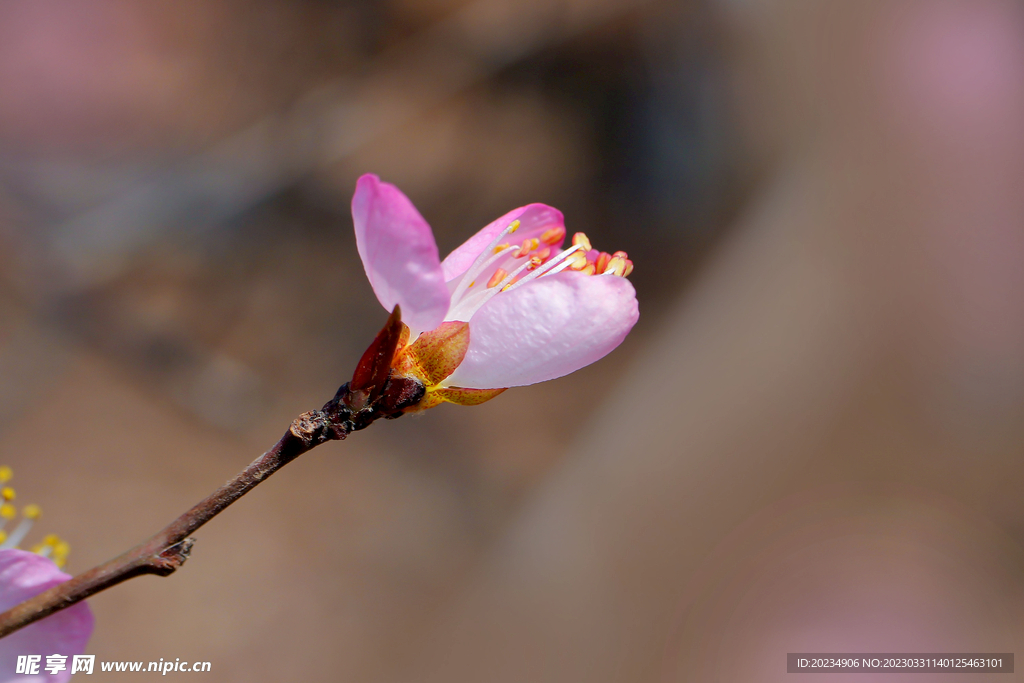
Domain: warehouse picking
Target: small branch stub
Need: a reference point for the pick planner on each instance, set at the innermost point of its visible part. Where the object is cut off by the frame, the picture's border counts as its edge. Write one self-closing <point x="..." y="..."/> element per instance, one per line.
<point x="167" y="562"/>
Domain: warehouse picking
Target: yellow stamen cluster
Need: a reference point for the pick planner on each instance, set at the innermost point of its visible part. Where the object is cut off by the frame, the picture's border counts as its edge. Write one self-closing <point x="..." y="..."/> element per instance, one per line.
<point x="508" y="266"/>
<point x="7" y="509"/>
<point x="585" y="259"/>
<point x="51" y="546"/>
<point x="592" y="262"/>
<point x="55" y="548"/>
<point x="588" y="260"/>
<point x="532" y="247"/>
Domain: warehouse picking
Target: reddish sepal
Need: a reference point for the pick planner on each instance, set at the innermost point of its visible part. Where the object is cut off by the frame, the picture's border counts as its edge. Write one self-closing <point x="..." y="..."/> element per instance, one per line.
<point x="374" y="367"/>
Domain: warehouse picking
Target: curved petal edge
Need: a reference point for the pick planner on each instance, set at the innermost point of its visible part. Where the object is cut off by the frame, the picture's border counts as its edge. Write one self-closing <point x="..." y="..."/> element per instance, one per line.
<point x="399" y="253"/>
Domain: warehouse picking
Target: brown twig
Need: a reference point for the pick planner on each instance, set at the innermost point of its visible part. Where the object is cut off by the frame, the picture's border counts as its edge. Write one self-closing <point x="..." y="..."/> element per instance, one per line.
<point x="168" y="549"/>
<point x="375" y="394"/>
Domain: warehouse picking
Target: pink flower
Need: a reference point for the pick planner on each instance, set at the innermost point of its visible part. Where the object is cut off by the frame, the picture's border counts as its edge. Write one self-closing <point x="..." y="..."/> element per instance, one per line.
<point x="509" y="307"/>
<point x="22" y="575"/>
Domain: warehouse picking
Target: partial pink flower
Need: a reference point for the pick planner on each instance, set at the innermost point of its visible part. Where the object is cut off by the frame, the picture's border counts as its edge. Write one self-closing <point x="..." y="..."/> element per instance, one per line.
<point x="509" y="307"/>
<point x="23" y="575"/>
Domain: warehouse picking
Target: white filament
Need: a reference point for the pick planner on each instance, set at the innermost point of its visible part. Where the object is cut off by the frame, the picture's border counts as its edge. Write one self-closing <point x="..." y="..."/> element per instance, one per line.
<point x="17" y="535"/>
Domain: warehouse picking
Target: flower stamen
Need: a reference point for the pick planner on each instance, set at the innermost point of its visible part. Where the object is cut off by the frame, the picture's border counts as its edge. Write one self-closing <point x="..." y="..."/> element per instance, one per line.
<point x="528" y="246"/>
<point x="553" y="236"/>
<point x="563" y="259"/>
<point x="616" y="266"/>
<point x="494" y="251"/>
<point x="581" y="239"/>
<point x="20" y="531"/>
<point x="55" y="546"/>
<point x="579" y="261"/>
<point x="580" y="257"/>
<point x="498" y="276"/>
<point x="465" y="308"/>
<point x="7" y="512"/>
<point x="7" y="509"/>
<point x="51" y="546"/>
<point x="506" y="281"/>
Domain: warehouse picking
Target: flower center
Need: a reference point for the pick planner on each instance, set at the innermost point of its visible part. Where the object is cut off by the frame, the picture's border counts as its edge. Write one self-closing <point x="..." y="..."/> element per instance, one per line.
<point x="51" y="546"/>
<point x="504" y="266"/>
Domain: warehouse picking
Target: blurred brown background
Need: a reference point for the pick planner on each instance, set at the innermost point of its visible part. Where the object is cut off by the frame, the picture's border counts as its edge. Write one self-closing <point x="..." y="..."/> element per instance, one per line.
<point x="812" y="441"/>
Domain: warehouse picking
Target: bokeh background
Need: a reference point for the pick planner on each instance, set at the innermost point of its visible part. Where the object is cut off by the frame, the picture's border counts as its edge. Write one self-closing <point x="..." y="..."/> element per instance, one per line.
<point x="812" y="441"/>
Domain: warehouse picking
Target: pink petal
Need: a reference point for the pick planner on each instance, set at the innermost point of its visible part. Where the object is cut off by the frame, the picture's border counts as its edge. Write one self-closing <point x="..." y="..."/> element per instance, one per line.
<point x="534" y="219"/>
<point x="550" y="327"/>
<point x="399" y="253"/>
<point x="23" y="575"/>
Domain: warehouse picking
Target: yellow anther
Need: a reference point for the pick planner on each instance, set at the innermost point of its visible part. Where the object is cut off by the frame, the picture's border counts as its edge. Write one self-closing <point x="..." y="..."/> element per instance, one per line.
<point x="629" y="268"/>
<point x="5" y="474"/>
<point x="3" y="536"/>
<point x="51" y="539"/>
<point x="501" y="247"/>
<point x="8" y="511"/>
<point x="580" y="239"/>
<point x="543" y="253"/>
<point x="514" y="280"/>
<point x="7" y="493"/>
<point x="471" y="284"/>
<point x="31" y="511"/>
<point x="513" y="226"/>
<point x="498" y="276"/>
<point x="602" y="261"/>
<point x="589" y="269"/>
<point x="61" y="549"/>
<point x="553" y="236"/>
<point x="60" y="562"/>
<point x="579" y="261"/>
<point x="621" y="254"/>
<point x="617" y="266"/>
<point x="528" y="246"/>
